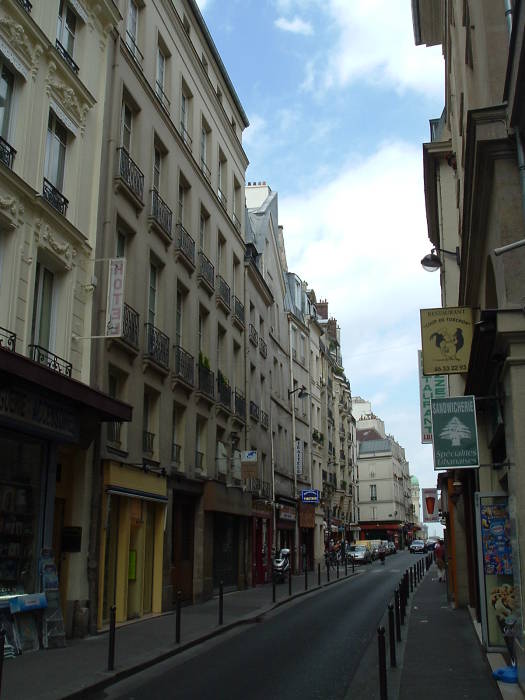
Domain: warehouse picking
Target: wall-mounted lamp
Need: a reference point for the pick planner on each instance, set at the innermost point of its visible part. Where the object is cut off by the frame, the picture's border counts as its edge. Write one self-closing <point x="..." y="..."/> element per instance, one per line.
<point x="302" y="392"/>
<point x="433" y="262"/>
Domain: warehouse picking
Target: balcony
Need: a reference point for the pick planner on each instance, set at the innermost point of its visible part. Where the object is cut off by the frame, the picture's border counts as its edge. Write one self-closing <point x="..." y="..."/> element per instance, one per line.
<point x="223" y="199"/>
<point x="7" y="153"/>
<point x="240" y="405"/>
<point x="223" y="294"/>
<point x="44" y="357"/>
<point x="148" y="442"/>
<point x="263" y="348"/>
<point x="26" y="5"/>
<point x="254" y="336"/>
<point x="132" y="177"/>
<point x="265" y="420"/>
<point x="157" y="347"/>
<point x="184" y="367"/>
<point x="67" y="57"/>
<point x="236" y="222"/>
<point x="55" y="197"/>
<point x="162" y="97"/>
<point x="206" y="382"/>
<point x="114" y="433"/>
<point x="206" y="276"/>
<point x="7" y="339"/>
<point x="254" y="411"/>
<point x="130" y="327"/>
<point x="134" y="50"/>
<point x="238" y="313"/>
<point x="175" y="454"/>
<point x="224" y="391"/>
<point x="185" y="247"/>
<point x="186" y="138"/>
<point x="161" y="216"/>
<point x="205" y="170"/>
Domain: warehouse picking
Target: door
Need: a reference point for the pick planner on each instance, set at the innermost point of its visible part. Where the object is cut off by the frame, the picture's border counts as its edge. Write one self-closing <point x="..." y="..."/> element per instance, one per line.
<point x="183" y="547"/>
<point x="225" y="550"/>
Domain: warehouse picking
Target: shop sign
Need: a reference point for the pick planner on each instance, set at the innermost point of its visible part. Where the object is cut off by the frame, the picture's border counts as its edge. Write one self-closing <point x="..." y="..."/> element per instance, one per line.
<point x="287" y="513"/>
<point x="34" y="411"/>
<point x="306" y="515"/>
<point x="249" y="464"/>
<point x="310" y="496"/>
<point x="446" y="338"/>
<point x="454" y="433"/>
<point x="299" y="457"/>
<point x="115" y="301"/>
<point x="430" y="505"/>
<point x="431" y="387"/>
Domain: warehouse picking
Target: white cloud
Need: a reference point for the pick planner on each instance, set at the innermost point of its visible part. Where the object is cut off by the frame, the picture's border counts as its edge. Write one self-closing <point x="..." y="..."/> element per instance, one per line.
<point x="255" y="132"/>
<point x="295" y="25"/>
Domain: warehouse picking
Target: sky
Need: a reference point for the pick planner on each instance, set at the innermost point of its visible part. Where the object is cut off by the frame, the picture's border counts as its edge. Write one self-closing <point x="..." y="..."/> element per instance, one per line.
<point x="339" y="100"/>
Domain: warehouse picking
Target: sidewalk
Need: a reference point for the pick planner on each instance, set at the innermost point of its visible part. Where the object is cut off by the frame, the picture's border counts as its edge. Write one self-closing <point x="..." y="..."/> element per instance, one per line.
<point x="54" y="674"/>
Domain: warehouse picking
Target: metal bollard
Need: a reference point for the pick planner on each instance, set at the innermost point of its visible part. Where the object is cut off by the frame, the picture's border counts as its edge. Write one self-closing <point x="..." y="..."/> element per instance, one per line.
<point x="337" y="568"/>
<point x="328" y="571"/>
<point x="177" y="617"/>
<point x="397" y="615"/>
<point x="346" y="566"/>
<point x="290" y="582"/>
<point x="2" y="644"/>
<point x="381" y="649"/>
<point x="111" y="646"/>
<point x="391" y="636"/>
<point x="353" y="565"/>
<point x="305" y="578"/>
<point x="273" y="589"/>
<point x="318" y="574"/>
<point x="411" y="580"/>
<point x="403" y="603"/>
<point x="221" y="602"/>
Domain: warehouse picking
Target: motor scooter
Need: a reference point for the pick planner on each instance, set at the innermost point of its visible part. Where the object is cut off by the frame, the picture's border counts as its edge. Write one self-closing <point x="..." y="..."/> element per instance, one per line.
<point x="281" y="566"/>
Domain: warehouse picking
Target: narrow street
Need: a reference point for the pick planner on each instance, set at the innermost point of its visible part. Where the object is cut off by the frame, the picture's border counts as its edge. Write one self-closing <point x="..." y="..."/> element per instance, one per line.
<point x="309" y="649"/>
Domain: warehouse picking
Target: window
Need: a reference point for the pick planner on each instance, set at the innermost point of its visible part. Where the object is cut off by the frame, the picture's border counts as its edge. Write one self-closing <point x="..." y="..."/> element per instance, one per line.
<point x="185" y="115"/>
<point x="181" y="202"/>
<point x="157" y="161"/>
<point x="221" y="179"/>
<point x="152" y="296"/>
<point x="161" y="71"/>
<point x="204" y="61"/>
<point x="121" y="244"/>
<point x="43" y="307"/>
<point x="126" y="126"/>
<point x="55" y="151"/>
<point x="132" y="27"/>
<point x="373" y="492"/>
<point x="204" y="148"/>
<point x="178" y="316"/>
<point x="66" y="26"/>
<point x="203" y="229"/>
<point x="7" y="81"/>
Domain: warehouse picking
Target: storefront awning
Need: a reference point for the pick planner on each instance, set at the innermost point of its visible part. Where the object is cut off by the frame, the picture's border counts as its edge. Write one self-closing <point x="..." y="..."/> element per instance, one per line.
<point x="133" y="493"/>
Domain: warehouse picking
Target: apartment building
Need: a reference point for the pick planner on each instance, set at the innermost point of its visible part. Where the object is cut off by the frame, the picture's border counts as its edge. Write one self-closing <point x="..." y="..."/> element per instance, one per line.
<point x="53" y="58"/>
<point x="474" y="191"/>
<point x="173" y="516"/>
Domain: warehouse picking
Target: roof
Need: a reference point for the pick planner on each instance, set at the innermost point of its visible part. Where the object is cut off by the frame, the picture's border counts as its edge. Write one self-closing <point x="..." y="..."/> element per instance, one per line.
<point x="414" y="480"/>
<point x="368" y="434"/>
<point x="370" y="446"/>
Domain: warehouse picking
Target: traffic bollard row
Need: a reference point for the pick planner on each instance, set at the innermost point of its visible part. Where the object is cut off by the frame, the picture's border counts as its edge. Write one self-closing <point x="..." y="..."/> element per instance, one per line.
<point x="177" y="617"/>
<point x="290" y="582"/>
<point x="318" y="574"/>
<point x="111" y="645"/>
<point x="221" y="602"/>
<point x="381" y="650"/>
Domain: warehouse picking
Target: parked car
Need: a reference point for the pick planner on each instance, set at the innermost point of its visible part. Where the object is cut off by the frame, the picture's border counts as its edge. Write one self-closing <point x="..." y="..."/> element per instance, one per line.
<point x="417" y="547"/>
<point x="391" y="548"/>
<point x="431" y="544"/>
<point x="359" y="554"/>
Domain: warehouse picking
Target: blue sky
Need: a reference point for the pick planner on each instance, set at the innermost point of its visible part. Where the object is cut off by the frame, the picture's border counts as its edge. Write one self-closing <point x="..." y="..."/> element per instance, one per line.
<point x="339" y="98"/>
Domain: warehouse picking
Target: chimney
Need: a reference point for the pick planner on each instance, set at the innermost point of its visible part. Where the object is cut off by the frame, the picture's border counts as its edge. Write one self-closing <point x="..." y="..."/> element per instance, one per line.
<point x="322" y="308"/>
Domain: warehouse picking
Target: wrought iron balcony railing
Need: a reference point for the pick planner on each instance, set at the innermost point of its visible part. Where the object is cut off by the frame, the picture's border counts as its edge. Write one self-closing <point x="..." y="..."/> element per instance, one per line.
<point x="254" y="411"/>
<point x="131" y="173"/>
<point x="223" y="199"/>
<point x="161" y="213"/>
<point x="240" y="404"/>
<point x="157" y="346"/>
<point x="223" y="290"/>
<point x="26" y="5"/>
<point x="205" y="170"/>
<point x="238" y="309"/>
<point x="206" y="270"/>
<point x="224" y="391"/>
<point x="236" y="221"/>
<point x="148" y="442"/>
<point x="175" y="453"/>
<point x="67" y="57"/>
<point x="206" y="378"/>
<point x="7" y="153"/>
<point x="134" y="50"/>
<point x="130" y="326"/>
<point x="185" y="243"/>
<point x="254" y="336"/>
<point x="265" y="419"/>
<point x="162" y="97"/>
<point x="44" y="357"/>
<point x="7" y="339"/>
<point x="185" y="136"/>
<point x="184" y="365"/>
<point x="263" y="348"/>
<point x="55" y="197"/>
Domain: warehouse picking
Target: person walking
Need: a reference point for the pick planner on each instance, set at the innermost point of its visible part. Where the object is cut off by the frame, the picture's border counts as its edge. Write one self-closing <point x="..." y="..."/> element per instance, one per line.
<point x="440" y="560"/>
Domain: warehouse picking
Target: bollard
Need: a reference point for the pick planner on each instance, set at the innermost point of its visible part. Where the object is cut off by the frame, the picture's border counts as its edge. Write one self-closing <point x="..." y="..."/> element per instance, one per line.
<point x="177" y="617"/>
<point x="2" y="644"/>
<point x="337" y="568"/>
<point x="111" y="647"/>
<point x="403" y="602"/>
<point x="381" y="649"/>
<point x="318" y="574"/>
<point x="353" y="565"/>
<point x="346" y="566"/>
<point x="290" y="582"/>
<point x="411" y="580"/>
<point x="397" y="615"/>
<point x="305" y="578"/>
<point x="328" y="571"/>
<point x="221" y="602"/>
<point x="273" y="590"/>
<point x="391" y="636"/>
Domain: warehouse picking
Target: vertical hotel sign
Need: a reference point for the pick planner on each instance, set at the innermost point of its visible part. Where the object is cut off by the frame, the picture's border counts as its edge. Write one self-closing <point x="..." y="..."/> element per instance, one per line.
<point x="115" y="302"/>
<point x="446" y="338"/>
<point x="431" y="387"/>
<point x="299" y="457"/>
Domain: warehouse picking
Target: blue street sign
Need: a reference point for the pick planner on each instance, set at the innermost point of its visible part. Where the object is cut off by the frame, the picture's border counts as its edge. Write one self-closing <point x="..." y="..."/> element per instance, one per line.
<point x="310" y="496"/>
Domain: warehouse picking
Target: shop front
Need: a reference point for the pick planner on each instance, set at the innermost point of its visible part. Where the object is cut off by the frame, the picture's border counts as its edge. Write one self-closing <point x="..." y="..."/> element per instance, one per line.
<point x="134" y="509"/>
<point x="285" y="525"/>
<point x="186" y="495"/>
<point x="261" y="542"/>
<point x="306" y="535"/>
<point x="393" y="532"/>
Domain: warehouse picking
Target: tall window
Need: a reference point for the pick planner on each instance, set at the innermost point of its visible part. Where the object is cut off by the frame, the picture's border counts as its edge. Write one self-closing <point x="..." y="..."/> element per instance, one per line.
<point x="42" y="307"/>
<point x="157" y="160"/>
<point x="182" y="197"/>
<point x="373" y="492"/>
<point x="126" y="126"/>
<point x="178" y="316"/>
<point x="66" y="26"/>
<point x="152" y="297"/>
<point x="55" y="151"/>
<point x="202" y="229"/>
<point x="121" y="244"/>
<point x="161" y="71"/>
<point x="132" y="26"/>
<point x="7" y="82"/>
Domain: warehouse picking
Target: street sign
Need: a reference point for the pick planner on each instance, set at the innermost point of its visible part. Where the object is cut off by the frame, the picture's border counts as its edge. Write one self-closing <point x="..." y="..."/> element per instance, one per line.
<point x="310" y="496"/>
<point x="454" y="433"/>
<point x="249" y="464"/>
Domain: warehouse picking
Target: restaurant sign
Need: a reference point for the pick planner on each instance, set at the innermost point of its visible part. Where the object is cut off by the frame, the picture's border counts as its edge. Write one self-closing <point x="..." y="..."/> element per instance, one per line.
<point x="455" y="433"/>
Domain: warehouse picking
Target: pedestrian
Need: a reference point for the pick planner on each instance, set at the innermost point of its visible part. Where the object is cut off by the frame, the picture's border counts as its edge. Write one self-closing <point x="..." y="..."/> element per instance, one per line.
<point x="440" y="560"/>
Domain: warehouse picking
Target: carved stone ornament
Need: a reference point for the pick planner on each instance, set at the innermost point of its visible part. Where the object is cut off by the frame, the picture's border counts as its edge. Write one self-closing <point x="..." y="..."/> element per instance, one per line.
<point x="63" y="250"/>
<point x="18" y="47"/>
<point x="10" y="212"/>
<point x="67" y="98"/>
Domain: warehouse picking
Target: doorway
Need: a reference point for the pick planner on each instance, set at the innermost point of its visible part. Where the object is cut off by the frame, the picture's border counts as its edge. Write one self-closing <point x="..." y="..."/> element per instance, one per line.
<point x="183" y="546"/>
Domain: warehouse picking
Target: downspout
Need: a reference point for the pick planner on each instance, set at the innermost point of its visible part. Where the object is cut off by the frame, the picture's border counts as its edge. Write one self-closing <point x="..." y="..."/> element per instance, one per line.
<point x="293" y="409"/>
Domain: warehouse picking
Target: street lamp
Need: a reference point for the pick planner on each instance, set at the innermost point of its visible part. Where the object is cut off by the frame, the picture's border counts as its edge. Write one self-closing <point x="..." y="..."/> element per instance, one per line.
<point x="302" y="392"/>
<point x="432" y="261"/>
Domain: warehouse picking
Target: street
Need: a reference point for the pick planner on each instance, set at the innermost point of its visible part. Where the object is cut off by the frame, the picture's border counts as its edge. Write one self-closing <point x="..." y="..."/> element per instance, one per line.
<point x="308" y="649"/>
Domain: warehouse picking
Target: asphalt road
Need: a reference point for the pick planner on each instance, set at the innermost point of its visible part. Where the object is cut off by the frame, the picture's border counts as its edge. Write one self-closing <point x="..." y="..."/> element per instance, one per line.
<point x="309" y="649"/>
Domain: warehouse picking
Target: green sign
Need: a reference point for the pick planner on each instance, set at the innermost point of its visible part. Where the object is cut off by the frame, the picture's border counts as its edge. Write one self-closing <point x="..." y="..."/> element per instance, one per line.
<point x="454" y="433"/>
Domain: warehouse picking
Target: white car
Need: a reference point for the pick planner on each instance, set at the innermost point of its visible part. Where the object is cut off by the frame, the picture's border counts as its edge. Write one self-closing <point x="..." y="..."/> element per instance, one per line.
<point x="418" y="547"/>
